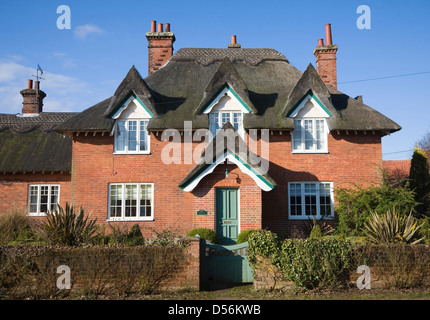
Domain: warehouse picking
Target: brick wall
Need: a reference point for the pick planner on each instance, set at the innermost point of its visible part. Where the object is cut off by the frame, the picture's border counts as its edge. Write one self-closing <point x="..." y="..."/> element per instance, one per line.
<point x="326" y="64"/>
<point x="95" y="166"/>
<point x="351" y="159"/>
<point x="14" y="189"/>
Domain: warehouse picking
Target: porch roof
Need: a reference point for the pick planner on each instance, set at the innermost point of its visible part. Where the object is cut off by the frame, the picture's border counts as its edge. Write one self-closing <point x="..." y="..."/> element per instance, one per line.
<point x="228" y="145"/>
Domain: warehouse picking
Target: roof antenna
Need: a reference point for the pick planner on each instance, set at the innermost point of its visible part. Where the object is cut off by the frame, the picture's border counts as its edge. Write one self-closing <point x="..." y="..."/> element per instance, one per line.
<point x="38" y="78"/>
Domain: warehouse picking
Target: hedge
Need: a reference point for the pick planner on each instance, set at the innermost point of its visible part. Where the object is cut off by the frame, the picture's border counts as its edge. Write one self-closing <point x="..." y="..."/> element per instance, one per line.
<point x="329" y="263"/>
<point x="29" y="272"/>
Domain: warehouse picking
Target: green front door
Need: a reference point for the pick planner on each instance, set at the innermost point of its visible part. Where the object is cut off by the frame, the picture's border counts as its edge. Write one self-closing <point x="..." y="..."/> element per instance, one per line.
<point x="227" y="215"/>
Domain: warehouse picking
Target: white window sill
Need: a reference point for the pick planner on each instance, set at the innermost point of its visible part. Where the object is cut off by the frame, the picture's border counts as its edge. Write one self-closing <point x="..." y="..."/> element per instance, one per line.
<point x="36" y="214"/>
<point x="128" y="219"/>
<point x="131" y="153"/>
<point x="304" y="217"/>
<point x="310" y="152"/>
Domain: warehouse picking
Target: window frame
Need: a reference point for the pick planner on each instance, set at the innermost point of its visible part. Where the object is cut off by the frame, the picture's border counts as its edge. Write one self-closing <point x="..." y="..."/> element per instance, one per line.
<point x="215" y="127"/>
<point x="40" y="213"/>
<point x="138" y="136"/>
<point x="123" y="202"/>
<point x="303" y="194"/>
<point x="303" y="138"/>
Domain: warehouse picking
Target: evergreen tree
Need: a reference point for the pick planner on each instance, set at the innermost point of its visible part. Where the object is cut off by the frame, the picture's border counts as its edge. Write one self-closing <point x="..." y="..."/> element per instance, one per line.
<point x="419" y="179"/>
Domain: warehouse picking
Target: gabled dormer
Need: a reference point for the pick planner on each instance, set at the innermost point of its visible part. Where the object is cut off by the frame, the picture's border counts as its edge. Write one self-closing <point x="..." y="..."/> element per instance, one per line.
<point x="131" y="108"/>
<point x="310" y="107"/>
<point x="226" y="99"/>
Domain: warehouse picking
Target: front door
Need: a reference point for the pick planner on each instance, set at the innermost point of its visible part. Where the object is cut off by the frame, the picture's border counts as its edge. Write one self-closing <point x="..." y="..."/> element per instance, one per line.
<point x="227" y="215"/>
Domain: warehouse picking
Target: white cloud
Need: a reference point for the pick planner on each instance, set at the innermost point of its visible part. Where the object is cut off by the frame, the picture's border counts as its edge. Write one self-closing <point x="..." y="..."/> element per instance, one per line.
<point x="64" y="93"/>
<point x="83" y="32"/>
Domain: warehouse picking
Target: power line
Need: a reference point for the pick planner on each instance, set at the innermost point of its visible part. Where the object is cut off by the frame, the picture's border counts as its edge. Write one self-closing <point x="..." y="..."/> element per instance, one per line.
<point x="397" y="152"/>
<point x="387" y="77"/>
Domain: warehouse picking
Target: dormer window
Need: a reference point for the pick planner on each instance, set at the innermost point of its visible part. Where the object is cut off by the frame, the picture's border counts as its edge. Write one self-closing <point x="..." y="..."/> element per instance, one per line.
<point x="218" y="119"/>
<point x="131" y="136"/>
<point x="310" y="126"/>
<point x="131" y="127"/>
<point x="226" y="107"/>
<point x="309" y="135"/>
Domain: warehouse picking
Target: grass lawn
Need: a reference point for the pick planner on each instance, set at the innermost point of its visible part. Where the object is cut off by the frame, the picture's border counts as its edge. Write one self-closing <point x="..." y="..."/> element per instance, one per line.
<point x="247" y="292"/>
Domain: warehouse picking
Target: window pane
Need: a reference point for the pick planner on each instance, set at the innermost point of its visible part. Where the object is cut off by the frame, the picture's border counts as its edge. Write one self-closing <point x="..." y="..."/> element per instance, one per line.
<point x="121" y="136"/>
<point x="44" y="198"/>
<point x="225" y="117"/>
<point x="130" y="200"/>
<point x="214" y="123"/>
<point x="325" y="199"/>
<point x="237" y="120"/>
<point x="54" y="198"/>
<point x="295" y="199"/>
<point x="297" y="135"/>
<point x="143" y="136"/>
<point x="320" y="137"/>
<point x="115" y="200"/>
<point x="309" y="138"/>
<point x="33" y="198"/>
<point x="310" y="199"/>
<point x="132" y="135"/>
<point x="311" y="205"/>
<point x="145" y="200"/>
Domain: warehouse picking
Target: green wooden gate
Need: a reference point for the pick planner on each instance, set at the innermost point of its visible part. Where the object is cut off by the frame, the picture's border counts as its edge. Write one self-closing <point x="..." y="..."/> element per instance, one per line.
<point x="225" y="264"/>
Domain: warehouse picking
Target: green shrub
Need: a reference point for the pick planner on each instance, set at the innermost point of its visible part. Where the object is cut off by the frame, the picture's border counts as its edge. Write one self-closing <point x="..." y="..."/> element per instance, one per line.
<point x="65" y="227"/>
<point x="134" y="236"/>
<point x="309" y="263"/>
<point x="419" y="179"/>
<point x="392" y="227"/>
<point x="355" y="206"/>
<point x="11" y="224"/>
<point x="316" y="232"/>
<point x="244" y="236"/>
<point x="204" y="233"/>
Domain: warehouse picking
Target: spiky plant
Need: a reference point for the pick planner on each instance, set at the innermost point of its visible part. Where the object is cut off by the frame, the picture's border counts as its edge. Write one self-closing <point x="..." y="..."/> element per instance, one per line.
<point x="64" y="227"/>
<point x="391" y="227"/>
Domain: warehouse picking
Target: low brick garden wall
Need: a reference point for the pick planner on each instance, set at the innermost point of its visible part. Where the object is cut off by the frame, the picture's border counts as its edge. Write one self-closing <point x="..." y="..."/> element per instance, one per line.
<point x="391" y="267"/>
<point x="31" y="272"/>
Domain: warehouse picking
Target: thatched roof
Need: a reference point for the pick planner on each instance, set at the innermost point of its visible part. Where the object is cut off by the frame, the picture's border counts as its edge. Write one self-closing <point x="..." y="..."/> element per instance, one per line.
<point x="263" y="78"/>
<point x="31" y="144"/>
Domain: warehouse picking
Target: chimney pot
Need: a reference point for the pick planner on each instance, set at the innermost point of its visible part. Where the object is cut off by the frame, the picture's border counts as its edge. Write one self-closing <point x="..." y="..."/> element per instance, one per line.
<point x="328" y="34"/>
<point x="32" y="103"/>
<point x="160" y="46"/>
<point x="233" y="39"/>
<point x="326" y="59"/>
<point x="153" y="26"/>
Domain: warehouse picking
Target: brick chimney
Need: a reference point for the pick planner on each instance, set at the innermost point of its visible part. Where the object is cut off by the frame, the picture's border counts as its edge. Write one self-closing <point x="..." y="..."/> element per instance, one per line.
<point x="160" y="46"/>
<point x="32" y="98"/>
<point x="326" y="59"/>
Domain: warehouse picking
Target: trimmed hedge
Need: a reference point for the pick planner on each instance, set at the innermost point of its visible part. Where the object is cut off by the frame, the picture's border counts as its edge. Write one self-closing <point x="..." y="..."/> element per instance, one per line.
<point x="29" y="272"/>
<point x="244" y="236"/>
<point x="204" y="233"/>
<point x="309" y="263"/>
<point x="329" y="263"/>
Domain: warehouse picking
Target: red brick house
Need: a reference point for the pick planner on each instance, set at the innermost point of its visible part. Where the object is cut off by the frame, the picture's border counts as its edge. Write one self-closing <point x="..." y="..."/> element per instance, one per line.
<point x="152" y="154"/>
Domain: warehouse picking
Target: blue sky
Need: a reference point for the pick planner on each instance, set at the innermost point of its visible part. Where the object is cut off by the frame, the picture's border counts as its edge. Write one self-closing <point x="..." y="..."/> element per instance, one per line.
<point x="85" y="64"/>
